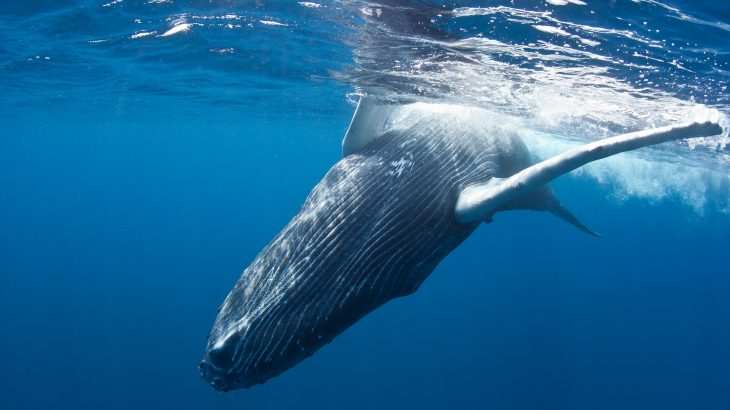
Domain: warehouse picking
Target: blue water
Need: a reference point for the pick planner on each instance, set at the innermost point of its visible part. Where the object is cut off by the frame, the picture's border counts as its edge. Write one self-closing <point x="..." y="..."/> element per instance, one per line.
<point x="139" y="176"/>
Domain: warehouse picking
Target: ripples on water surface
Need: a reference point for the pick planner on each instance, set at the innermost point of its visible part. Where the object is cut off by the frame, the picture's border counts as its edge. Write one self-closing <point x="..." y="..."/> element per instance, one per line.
<point x="566" y="71"/>
<point x="141" y="154"/>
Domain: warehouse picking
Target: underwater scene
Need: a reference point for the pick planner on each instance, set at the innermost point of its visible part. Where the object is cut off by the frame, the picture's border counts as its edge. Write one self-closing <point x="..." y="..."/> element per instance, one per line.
<point x="343" y="204"/>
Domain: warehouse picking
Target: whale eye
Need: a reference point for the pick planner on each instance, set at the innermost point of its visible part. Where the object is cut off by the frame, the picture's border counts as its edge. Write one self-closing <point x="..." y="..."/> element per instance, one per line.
<point x="221" y="354"/>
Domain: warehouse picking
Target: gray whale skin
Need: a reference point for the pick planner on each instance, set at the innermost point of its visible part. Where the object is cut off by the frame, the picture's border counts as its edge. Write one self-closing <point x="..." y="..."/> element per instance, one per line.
<point x="415" y="180"/>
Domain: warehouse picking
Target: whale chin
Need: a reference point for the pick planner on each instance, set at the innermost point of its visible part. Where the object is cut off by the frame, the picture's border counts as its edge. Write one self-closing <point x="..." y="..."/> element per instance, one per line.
<point x="223" y="382"/>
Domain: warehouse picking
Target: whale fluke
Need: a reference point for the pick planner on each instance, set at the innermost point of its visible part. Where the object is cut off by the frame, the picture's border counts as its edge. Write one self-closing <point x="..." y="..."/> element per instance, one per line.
<point x="478" y="201"/>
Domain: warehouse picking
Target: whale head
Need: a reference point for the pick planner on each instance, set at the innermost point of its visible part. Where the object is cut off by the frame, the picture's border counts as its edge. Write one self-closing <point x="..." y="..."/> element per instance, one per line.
<point x="415" y="181"/>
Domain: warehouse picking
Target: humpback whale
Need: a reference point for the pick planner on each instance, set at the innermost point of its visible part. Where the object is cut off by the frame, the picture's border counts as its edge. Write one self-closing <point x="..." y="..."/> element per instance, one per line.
<point x="415" y="181"/>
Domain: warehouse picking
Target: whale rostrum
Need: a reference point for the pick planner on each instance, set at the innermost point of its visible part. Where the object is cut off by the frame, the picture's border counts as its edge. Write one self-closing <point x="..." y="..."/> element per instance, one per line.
<point x="414" y="182"/>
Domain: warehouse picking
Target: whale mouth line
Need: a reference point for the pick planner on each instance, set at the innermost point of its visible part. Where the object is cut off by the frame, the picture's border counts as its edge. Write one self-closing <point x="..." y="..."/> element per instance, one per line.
<point x="224" y="380"/>
<point x="214" y="377"/>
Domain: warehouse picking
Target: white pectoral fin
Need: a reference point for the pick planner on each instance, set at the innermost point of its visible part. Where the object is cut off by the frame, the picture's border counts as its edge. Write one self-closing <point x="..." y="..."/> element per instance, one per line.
<point x="368" y="123"/>
<point x="477" y="201"/>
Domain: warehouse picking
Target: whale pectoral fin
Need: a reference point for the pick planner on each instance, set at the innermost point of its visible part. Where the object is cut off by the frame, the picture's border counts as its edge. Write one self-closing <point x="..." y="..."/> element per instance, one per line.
<point x="368" y="124"/>
<point x="477" y="201"/>
<point x="542" y="199"/>
<point x="563" y="213"/>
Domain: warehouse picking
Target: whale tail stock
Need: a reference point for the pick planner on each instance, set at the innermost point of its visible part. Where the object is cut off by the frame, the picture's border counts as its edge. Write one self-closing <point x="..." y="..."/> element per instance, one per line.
<point x="480" y="201"/>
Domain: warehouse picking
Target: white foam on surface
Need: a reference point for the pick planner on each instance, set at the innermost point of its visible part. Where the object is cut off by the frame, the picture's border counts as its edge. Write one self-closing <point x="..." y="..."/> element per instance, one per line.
<point x="559" y="31"/>
<point x="566" y="2"/>
<point x="180" y="28"/>
<point x="591" y="43"/>
<point x="111" y="3"/>
<point x="309" y="4"/>
<point x="142" y="34"/>
<point x="273" y="23"/>
<point x="551" y="30"/>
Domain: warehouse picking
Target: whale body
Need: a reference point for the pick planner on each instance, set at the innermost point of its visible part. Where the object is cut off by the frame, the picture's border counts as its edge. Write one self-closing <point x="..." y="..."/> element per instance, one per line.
<point x="414" y="182"/>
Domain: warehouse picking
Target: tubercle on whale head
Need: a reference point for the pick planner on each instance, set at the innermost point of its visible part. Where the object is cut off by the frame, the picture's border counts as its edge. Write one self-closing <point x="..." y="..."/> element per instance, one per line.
<point x="231" y="358"/>
<point x="219" y="361"/>
<point x="222" y="366"/>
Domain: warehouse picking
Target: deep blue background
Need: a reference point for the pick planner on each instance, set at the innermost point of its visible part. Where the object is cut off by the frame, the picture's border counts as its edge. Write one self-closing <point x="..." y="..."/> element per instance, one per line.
<point x="120" y="238"/>
<point x="138" y="178"/>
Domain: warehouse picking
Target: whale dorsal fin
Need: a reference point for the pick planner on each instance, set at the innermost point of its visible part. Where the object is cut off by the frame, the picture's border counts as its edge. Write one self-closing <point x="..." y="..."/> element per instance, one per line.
<point x="368" y="124"/>
<point x="479" y="201"/>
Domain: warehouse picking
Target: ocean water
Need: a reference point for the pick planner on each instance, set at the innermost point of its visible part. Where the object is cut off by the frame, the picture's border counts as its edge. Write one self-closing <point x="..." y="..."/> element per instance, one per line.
<point x="149" y="149"/>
